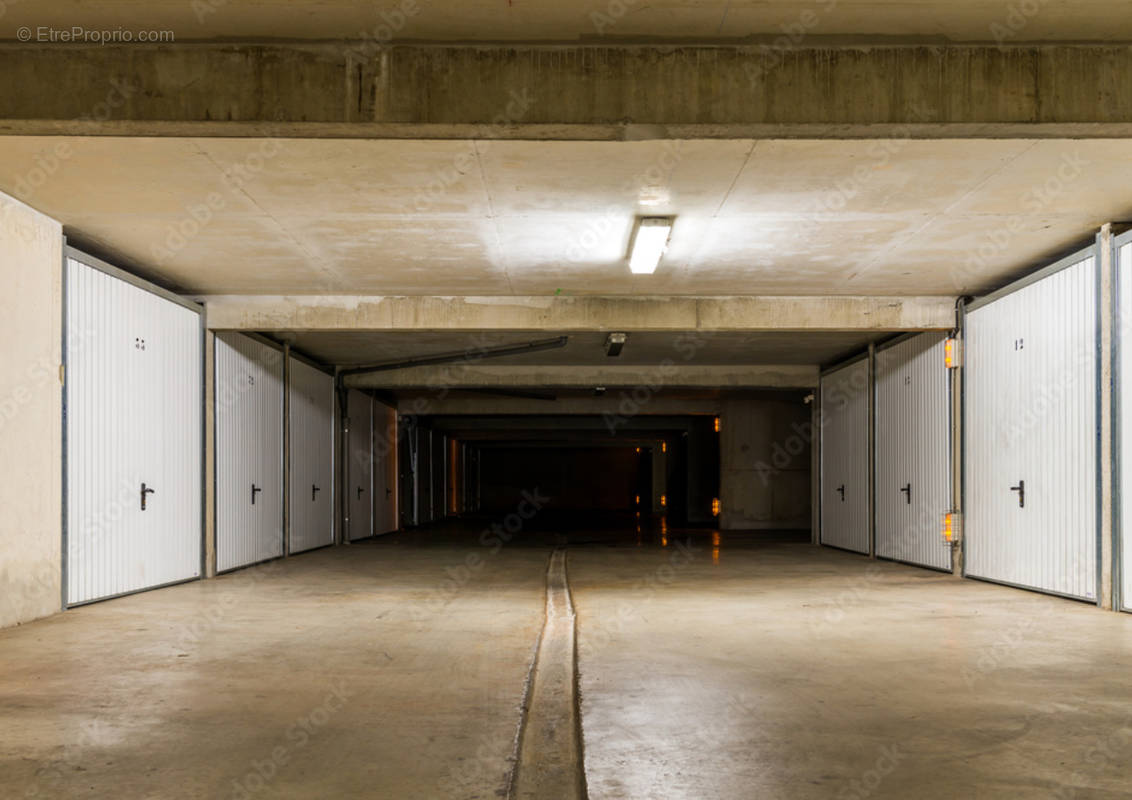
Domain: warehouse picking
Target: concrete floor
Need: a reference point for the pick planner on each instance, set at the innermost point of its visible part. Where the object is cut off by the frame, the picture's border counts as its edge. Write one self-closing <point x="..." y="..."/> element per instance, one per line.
<point x="756" y="667"/>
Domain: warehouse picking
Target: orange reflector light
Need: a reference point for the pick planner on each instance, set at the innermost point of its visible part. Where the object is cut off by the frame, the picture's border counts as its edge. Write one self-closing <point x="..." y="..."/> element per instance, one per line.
<point x="952" y="351"/>
<point x="663" y="500"/>
<point x="952" y="527"/>
<point x="715" y="507"/>
<point x="664" y="447"/>
<point x="717" y="424"/>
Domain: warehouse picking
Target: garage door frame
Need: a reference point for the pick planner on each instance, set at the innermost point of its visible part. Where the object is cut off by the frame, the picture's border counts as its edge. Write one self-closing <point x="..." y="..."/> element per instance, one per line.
<point x="1121" y="527"/>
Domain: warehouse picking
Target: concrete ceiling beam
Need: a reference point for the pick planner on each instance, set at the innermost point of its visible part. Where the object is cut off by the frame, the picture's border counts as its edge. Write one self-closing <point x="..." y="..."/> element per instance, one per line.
<point x="364" y="89"/>
<point x="576" y="314"/>
<point x="646" y="381"/>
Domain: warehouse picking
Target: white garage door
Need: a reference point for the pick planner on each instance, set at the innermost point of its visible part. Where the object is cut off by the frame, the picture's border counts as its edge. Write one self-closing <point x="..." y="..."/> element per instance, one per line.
<point x="359" y="472"/>
<point x="249" y="451"/>
<point x="385" y="468"/>
<point x="913" y="451"/>
<point x="1031" y="434"/>
<point x="133" y="399"/>
<point x="845" y="457"/>
<point x="311" y="415"/>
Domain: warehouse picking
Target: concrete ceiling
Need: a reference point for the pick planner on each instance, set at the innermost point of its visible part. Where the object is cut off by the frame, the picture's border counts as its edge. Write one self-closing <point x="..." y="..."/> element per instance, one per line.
<point x="337" y="216"/>
<point x="585" y="349"/>
<point x="587" y="20"/>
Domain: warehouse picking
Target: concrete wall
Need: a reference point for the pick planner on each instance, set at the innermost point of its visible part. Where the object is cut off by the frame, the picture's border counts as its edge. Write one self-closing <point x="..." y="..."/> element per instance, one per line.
<point x="30" y="414"/>
<point x="765" y="447"/>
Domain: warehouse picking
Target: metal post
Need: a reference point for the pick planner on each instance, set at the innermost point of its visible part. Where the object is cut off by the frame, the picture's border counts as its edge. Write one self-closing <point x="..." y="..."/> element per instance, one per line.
<point x="286" y="450"/>
<point x="956" y="385"/>
<point x="872" y="389"/>
<point x="1105" y="518"/>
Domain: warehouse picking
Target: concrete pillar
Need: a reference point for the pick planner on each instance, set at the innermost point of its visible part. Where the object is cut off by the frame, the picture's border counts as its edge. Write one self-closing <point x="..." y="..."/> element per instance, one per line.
<point x="956" y="385"/>
<point x="31" y="412"/>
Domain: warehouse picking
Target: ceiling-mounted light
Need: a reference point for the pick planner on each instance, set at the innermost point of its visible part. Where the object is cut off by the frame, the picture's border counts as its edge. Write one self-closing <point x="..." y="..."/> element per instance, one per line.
<point x="650" y="240"/>
<point x="614" y="342"/>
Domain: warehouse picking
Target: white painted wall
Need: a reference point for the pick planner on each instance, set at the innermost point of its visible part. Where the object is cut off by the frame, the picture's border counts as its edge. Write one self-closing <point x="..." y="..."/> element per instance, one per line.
<point x="30" y="414"/>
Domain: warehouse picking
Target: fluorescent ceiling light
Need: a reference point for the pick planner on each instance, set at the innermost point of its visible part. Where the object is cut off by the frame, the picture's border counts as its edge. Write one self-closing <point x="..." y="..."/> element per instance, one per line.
<point x="649" y="243"/>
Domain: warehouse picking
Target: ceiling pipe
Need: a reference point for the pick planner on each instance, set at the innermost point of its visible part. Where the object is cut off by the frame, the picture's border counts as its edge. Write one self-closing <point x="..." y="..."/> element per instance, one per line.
<point x="463" y="355"/>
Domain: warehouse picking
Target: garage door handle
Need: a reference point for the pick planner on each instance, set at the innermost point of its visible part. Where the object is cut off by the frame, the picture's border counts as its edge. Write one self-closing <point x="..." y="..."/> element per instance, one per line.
<point x="841" y="491"/>
<point x="254" y="490"/>
<point x="314" y="492"/>
<point x="359" y="492"/>
<point x="1021" y="489"/>
<point x="144" y="492"/>
<point x="907" y="489"/>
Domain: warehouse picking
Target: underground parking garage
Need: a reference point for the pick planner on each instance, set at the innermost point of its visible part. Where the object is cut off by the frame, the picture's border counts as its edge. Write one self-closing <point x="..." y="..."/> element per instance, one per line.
<point x="548" y="401"/>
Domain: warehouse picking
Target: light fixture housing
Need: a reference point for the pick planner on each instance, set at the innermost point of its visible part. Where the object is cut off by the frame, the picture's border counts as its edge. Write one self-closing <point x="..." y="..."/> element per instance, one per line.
<point x="614" y="342"/>
<point x="650" y="240"/>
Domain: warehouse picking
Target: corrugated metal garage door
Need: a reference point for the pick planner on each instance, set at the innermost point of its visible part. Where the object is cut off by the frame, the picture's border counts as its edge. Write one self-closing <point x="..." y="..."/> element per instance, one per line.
<point x="133" y="400"/>
<point x="311" y="414"/>
<point x="359" y="472"/>
<point x="385" y="468"/>
<point x="249" y="451"/>
<point x="913" y="451"/>
<point x="1123" y="408"/>
<point x="438" y="464"/>
<point x="424" y="476"/>
<point x="1031" y="434"/>
<point x="845" y="457"/>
